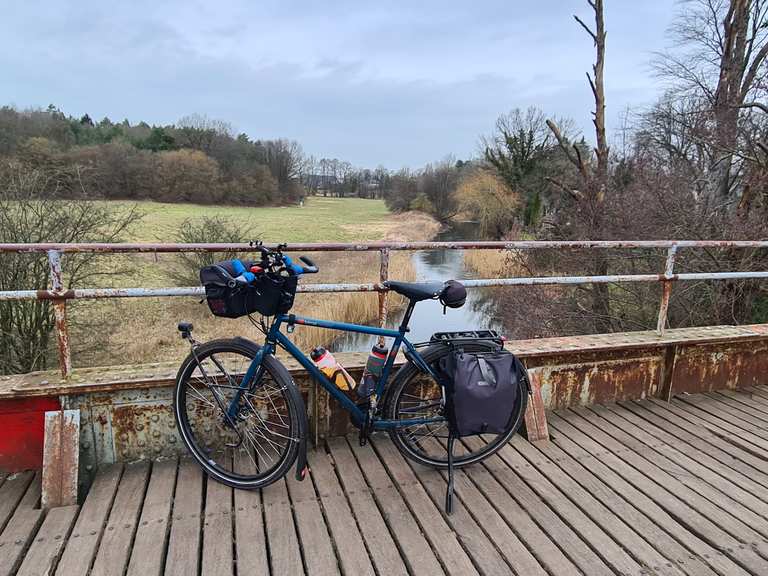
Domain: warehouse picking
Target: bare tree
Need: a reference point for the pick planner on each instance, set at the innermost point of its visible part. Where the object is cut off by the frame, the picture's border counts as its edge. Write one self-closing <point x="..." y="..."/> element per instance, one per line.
<point x="720" y="56"/>
<point x="31" y="211"/>
<point x="593" y="174"/>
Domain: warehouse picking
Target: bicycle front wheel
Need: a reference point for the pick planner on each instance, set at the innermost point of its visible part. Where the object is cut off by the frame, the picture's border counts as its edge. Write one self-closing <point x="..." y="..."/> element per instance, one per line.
<point x="417" y="396"/>
<point x="255" y="445"/>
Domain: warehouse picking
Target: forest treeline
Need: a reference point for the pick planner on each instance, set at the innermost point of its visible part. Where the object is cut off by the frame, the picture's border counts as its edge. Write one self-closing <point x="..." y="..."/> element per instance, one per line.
<point x="197" y="160"/>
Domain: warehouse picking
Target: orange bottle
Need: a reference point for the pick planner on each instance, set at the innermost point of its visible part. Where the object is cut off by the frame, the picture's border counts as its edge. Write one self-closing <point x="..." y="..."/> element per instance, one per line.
<point x="329" y="366"/>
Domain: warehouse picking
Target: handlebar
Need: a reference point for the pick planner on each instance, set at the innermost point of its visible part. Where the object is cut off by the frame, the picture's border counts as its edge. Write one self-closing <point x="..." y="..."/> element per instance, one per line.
<point x="275" y="261"/>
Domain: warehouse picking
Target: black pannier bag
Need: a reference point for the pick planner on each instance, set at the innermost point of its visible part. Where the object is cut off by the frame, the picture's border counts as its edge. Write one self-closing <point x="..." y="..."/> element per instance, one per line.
<point x="267" y="295"/>
<point x="481" y="394"/>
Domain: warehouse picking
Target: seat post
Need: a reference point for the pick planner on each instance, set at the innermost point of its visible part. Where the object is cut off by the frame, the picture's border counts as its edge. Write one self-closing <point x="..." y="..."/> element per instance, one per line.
<point x="407" y="317"/>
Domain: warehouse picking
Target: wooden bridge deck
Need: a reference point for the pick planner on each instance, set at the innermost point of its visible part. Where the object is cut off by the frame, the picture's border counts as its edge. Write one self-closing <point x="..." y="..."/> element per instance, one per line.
<point x="642" y="488"/>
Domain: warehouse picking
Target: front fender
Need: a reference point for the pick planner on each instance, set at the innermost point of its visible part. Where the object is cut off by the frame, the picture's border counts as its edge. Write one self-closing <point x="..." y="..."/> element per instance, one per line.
<point x="293" y="391"/>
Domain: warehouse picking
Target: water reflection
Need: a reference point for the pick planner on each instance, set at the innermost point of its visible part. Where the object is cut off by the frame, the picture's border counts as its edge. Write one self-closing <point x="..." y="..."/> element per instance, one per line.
<point x="428" y="318"/>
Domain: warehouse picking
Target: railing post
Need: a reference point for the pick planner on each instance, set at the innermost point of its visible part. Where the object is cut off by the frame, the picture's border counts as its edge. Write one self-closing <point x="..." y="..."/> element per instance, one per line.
<point x="666" y="289"/>
<point x="383" y="277"/>
<point x="60" y="314"/>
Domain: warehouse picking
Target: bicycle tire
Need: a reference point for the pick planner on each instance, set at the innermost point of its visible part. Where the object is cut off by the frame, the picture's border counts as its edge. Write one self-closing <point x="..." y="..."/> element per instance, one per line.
<point x="277" y="406"/>
<point x="406" y="445"/>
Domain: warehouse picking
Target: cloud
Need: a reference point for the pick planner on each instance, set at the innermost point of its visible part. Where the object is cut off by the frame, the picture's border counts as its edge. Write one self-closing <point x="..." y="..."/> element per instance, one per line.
<point x="398" y="83"/>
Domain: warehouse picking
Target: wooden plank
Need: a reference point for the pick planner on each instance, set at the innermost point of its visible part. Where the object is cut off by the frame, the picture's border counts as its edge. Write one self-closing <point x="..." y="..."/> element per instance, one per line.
<point x="478" y="545"/>
<point x="428" y="511"/>
<point x="149" y="545"/>
<point x="412" y="513"/>
<point x="643" y="495"/>
<point x="115" y="548"/>
<point x="731" y="442"/>
<point x="218" y="558"/>
<point x="690" y="471"/>
<point x="43" y="554"/>
<point x="31" y="497"/>
<point x="546" y="552"/>
<point x="82" y="545"/>
<point x="415" y="549"/>
<point x="671" y="472"/>
<point x="743" y="433"/>
<point x="17" y="537"/>
<point x="742" y="402"/>
<point x="470" y="501"/>
<point x="284" y="547"/>
<point x="553" y="461"/>
<point x="251" y="555"/>
<point x="378" y="540"/>
<point x="11" y="493"/>
<point x="313" y="532"/>
<point x="701" y="454"/>
<point x="574" y="547"/>
<point x="700" y="516"/>
<point x="61" y="449"/>
<point x="351" y="549"/>
<point x="587" y="514"/>
<point x="719" y="406"/>
<point x="183" y="557"/>
<point x="681" y="431"/>
<point x="758" y="394"/>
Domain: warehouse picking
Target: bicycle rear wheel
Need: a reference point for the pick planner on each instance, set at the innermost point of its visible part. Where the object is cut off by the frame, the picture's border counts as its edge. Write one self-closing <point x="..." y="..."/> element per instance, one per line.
<point x="414" y="395"/>
<point x="261" y="442"/>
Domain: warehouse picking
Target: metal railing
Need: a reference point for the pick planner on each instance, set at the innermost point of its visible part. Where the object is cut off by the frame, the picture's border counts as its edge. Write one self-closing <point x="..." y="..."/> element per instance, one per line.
<point x="59" y="295"/>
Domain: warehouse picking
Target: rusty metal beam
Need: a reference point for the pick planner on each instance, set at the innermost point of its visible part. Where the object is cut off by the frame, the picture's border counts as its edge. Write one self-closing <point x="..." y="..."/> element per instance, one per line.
<point x="60" y="314"/>
<point x="666" y="289"/>
<point x="61" y="450"/>
<point x="378" y="246"/>
<point x="89" y="293"/>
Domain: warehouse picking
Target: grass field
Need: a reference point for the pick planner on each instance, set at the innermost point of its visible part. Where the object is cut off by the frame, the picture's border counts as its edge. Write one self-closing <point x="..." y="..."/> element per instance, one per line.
<point x="136" y="331"/>
<point x="319" y="220"/>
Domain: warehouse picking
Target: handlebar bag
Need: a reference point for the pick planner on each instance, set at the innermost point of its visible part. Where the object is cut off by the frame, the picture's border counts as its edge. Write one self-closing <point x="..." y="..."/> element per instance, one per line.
<point x="268" y="294"/>
<point x="481" y="391"/>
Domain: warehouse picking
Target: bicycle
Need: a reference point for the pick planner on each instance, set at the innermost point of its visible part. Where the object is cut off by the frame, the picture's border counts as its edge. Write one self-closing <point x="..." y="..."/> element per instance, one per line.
<point x="242" y="417"/>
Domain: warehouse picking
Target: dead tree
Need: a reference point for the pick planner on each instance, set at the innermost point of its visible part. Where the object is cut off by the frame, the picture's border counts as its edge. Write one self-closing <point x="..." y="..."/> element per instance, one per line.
<point x="593" y="172"/>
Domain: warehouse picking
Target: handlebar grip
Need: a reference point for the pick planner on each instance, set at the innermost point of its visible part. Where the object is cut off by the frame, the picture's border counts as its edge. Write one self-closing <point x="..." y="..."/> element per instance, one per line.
<point x="310" y="268"/>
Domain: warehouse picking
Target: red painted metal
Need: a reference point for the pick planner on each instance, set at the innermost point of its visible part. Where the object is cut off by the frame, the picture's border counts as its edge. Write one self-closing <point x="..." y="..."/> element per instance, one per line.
<point x="22" y="425"/>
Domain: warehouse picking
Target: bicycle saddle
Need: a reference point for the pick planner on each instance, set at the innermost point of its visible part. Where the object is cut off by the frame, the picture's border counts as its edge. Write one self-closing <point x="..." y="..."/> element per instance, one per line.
<point x="416" y="291"/>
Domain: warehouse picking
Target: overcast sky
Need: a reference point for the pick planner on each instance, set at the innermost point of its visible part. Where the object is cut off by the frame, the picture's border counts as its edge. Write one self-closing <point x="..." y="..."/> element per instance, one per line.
<point x="393" y="83"/>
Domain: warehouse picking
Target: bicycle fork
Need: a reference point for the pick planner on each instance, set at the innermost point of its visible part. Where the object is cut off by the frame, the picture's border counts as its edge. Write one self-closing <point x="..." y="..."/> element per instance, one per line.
<point x="229" y="412"/>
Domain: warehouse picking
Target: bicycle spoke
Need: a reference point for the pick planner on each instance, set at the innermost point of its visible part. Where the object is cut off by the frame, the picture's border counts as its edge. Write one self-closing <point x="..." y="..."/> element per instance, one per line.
<point x="259" y="432"/>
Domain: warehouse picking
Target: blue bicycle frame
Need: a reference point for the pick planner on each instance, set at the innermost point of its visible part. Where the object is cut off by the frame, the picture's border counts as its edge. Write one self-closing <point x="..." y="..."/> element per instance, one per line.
<point x="276" y="338"/>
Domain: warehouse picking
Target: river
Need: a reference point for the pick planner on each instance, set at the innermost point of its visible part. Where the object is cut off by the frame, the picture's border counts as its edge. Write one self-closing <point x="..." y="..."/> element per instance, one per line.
<point x="428" y="318"/>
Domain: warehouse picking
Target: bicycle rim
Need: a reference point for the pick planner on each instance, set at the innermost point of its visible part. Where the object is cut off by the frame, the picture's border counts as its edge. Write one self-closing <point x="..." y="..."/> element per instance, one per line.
<point x="256" y="445"/>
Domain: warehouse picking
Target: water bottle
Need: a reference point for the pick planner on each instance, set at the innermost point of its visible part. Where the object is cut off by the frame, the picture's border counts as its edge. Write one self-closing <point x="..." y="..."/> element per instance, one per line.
<point x="372" y="371"/>
<point x="329" y="366"/>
